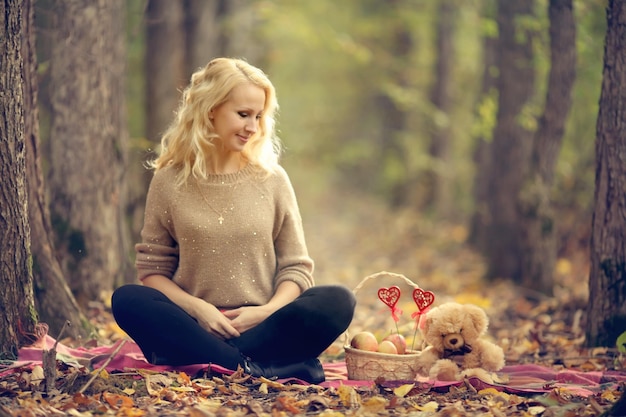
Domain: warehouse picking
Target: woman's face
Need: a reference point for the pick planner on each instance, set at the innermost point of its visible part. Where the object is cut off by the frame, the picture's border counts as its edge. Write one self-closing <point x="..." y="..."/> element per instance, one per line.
<point x="237" y="120"/>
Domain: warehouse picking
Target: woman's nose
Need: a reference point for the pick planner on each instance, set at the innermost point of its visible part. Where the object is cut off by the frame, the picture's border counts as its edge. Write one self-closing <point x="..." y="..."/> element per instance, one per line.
<point x="252" y="126"/>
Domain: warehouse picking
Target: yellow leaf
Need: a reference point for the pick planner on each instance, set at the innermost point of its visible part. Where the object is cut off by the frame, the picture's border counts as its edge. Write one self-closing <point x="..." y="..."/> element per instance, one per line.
<point x="183" y="389"/>
<point x="609" y="396"/>
<point x="183" y="379"/>
<point x="429" y="407"/>
<point x="37" y="373"/>
<point x="271" y="384"/>
<point x="128" y="391"/>
<point x="375" y="404"/>
<point x="403" y="390"/>
<point x="263" y="388"/>
<point x="536" y="410"/>
<point x="489" y="391"/>
<point x="348" y="396"/>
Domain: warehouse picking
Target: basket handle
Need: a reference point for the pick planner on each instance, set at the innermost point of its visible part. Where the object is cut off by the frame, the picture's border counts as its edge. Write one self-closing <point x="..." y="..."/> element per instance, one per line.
<point x="379" y="274"/>
<point x="374" y="276"/>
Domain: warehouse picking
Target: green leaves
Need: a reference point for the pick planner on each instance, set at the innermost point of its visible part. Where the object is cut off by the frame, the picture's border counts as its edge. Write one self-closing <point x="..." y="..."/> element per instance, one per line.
<point x="621" y="343"/>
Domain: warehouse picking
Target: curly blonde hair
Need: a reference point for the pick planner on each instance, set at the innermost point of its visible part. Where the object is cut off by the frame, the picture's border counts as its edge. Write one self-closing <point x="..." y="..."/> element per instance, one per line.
<point x="189" y="141"/>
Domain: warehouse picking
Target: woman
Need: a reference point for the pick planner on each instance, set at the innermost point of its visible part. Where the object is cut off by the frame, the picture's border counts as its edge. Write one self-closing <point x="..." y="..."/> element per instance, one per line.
<point x="226" y="275"/>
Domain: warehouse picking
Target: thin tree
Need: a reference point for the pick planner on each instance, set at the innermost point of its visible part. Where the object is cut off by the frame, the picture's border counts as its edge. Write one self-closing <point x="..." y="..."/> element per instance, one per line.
<point x="17" y="310"/>
<point x="483" y="129"/>
<point x="439" y="188"/>
<point x="537" y="219"/>
<point x="511" y="139"/>
<point x="606" y="312"/>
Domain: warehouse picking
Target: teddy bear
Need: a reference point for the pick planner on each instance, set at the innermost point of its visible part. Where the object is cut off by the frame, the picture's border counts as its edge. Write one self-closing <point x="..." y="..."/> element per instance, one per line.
<point x="455" y="348"/>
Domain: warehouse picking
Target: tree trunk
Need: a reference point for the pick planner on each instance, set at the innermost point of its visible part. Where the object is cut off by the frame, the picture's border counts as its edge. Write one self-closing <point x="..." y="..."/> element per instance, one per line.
<point x="393" y="115"/>
<point x="205" y="37"/>
<point x="440" y="193"/>
<point x="88" y="144"/>
<point x="485" y="110"/>
<point x="17" y="309"/>
<point x="538" y="255"/>
<point x="240" y="32"/>
<point x="53" y="299"/>
<point x="511" y="139"/>
<point x="606" y="313"/>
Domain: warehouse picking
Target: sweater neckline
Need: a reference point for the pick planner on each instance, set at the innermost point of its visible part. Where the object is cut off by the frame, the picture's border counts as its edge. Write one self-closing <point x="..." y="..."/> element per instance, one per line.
<point x="230" y="178"/>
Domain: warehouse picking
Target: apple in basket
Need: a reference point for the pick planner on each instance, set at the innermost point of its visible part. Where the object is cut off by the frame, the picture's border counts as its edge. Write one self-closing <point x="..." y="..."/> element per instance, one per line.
<point x="399" y="342"/>
<point x="387" y="346"/>
<point x="364" y="341"/>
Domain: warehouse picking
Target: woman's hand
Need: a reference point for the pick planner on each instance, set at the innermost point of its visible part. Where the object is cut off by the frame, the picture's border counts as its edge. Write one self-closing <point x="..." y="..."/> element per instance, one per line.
<point x="245" y="318"/>
<point x="214" y="321"/>
<point x="207" y="315"/>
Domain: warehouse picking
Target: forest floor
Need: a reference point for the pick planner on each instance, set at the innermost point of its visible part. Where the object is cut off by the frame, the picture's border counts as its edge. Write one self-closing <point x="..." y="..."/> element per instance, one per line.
<point x="350" y="244"/>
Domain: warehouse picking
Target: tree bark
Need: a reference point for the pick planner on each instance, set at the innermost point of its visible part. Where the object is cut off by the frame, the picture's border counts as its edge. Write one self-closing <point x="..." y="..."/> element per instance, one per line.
<point x="205" y="38"/>
<point x="538" y="255"/>
<point x="485" y="110"/>
<point x="394" y="116"/>
<point x="606" y="313"/>
<point x="53" y="299"/>
<point x="88" y="144"/>
<point x="17" y="310"/>
<point x="440" y="193"/>
<point x="511" y="139"/>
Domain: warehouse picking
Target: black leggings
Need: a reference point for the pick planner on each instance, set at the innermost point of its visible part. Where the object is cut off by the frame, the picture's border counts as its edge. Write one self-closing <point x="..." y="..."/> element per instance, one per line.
<point x="166" y="334"/>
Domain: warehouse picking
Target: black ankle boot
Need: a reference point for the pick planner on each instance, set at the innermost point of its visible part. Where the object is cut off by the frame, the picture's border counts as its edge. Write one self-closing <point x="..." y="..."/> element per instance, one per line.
<point x="310" y="370"/>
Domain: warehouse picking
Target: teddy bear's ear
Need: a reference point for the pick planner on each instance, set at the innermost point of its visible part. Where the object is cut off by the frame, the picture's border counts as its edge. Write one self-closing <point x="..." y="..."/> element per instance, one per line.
<point x="478" y="317"/>
<point x="426" y="323"/>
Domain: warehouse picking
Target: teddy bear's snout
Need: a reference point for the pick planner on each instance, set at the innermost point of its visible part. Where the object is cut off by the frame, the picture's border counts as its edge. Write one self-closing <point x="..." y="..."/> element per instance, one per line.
<point x="453" y="341"/>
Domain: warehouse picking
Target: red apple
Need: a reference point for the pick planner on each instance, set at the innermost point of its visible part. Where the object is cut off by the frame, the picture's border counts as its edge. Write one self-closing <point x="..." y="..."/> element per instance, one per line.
<point x="387" y="346"/>
<point x="399" y="342"/>
<point x="364" y="341"/>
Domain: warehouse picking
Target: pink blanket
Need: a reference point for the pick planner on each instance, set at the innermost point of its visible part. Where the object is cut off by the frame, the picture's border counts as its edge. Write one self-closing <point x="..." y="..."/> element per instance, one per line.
<point x="521" y="379"/>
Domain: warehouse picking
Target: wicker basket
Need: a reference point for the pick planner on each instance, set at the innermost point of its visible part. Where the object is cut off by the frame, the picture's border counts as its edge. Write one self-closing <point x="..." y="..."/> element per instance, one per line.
<point x="364" y="365"/>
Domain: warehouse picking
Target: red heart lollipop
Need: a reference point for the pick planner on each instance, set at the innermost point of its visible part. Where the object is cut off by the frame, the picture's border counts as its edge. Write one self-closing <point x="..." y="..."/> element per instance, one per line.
<point x="389" y="296"/>
<point x="422" y="298"/>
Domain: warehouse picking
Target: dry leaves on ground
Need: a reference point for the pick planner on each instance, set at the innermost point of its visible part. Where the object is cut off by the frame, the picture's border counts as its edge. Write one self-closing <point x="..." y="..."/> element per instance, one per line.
<point x="531" y="328"/>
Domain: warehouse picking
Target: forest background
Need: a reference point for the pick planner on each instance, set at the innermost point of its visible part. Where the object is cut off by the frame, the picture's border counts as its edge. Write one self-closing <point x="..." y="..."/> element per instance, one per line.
<point x="475" y="146"/>
<point x="401" y="119"/>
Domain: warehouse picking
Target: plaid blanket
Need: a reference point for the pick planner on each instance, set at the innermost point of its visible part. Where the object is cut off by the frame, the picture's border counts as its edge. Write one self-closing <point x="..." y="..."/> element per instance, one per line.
<point x="526" y="379"/>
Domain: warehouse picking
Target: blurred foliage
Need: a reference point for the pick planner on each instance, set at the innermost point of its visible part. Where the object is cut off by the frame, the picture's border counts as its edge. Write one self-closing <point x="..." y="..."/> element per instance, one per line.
<point x="328" y="58"/>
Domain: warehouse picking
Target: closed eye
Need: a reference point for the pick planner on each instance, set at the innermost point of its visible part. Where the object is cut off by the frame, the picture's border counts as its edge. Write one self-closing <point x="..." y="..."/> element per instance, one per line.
<point x="244" y="114"/>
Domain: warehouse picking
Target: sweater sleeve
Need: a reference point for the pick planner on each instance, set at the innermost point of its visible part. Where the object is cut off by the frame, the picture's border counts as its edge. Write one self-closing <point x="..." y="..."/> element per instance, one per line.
<point x="292" y="258"/>
<point x="158" y="251"/>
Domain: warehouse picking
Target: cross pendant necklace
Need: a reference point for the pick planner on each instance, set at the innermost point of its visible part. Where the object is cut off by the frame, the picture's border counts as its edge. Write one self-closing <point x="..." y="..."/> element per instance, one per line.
<point x="220" y="219"/>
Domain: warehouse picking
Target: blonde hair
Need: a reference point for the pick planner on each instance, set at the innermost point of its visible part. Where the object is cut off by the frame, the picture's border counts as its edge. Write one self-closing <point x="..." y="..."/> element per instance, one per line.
<point x="189" y="140"/>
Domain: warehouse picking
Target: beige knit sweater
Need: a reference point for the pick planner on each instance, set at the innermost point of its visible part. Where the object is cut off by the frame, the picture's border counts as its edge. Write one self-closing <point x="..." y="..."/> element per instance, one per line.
<point x="259" y="243"/>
